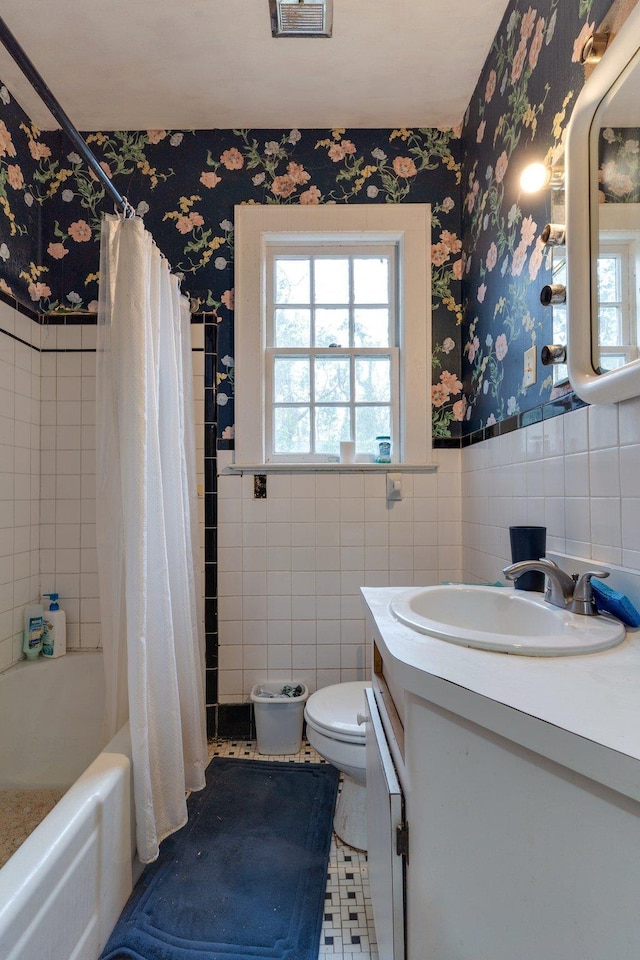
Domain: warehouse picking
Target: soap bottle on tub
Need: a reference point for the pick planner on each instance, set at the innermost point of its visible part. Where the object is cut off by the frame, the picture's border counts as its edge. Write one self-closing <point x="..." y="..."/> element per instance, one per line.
<point x="33" y="630"/>
<point x="54" y="639"/>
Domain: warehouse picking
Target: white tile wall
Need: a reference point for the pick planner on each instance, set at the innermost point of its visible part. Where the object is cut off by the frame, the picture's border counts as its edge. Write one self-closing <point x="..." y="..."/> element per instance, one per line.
<point x="291" y="567"/>
<point x="19" y="476"/>
<point x="578" y="475"/>
<point x="47" y="475"/>
<point x="68" y="562"/>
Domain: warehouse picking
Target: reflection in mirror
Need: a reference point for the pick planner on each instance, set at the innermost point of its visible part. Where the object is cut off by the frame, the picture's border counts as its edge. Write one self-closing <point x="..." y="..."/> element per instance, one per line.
<point x="603" y="225"/>
<point x="615" y="154"/>
<point x="559" y="274"/>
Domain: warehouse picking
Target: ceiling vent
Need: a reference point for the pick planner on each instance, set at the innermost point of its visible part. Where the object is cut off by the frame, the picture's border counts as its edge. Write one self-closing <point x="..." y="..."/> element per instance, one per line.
<point x="301" y="18"/>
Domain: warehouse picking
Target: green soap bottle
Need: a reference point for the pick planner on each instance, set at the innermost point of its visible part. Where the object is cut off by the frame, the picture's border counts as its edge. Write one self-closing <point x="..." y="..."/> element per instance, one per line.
<point x="33" y="629"/>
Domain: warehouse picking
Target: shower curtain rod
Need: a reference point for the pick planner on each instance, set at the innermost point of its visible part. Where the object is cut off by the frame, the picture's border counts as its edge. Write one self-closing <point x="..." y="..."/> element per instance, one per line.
<point x="45" y="94"/>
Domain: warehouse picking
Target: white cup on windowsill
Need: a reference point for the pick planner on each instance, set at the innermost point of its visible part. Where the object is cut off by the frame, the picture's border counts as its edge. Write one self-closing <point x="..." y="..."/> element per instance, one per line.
<point x="347" y="451"/>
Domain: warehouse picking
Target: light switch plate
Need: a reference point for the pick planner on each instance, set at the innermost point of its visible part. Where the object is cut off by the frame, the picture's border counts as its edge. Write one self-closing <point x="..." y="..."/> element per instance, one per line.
<point x="529" y="377"/>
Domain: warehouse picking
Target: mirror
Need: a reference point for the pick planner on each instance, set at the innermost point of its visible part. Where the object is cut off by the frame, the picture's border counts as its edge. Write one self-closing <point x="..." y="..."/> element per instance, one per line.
<point x="603" y="225"/>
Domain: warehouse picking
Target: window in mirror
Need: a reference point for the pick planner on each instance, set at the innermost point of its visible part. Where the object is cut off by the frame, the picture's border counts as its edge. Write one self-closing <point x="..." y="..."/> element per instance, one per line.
<point x="617" y="310"/>
<point x="603" y="224"/>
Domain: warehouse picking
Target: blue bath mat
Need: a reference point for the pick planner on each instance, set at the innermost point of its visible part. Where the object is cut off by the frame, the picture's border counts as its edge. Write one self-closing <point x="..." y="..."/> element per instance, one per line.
<point x="245" y="879"/>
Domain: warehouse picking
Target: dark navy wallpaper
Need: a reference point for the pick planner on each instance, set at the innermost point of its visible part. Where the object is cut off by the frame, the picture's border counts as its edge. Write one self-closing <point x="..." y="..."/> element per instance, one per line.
<point x="619" y="165"/>
<point x="185" y="184"/>
<point x="487" y="262"/>
<point x="518" y="113"/>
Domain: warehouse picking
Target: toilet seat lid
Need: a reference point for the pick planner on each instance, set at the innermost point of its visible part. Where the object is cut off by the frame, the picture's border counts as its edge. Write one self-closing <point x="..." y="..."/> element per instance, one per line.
<point x="334" y="710"/>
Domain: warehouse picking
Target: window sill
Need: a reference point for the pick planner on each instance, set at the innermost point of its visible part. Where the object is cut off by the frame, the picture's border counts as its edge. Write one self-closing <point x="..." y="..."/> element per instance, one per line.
<point x="251" y="468"/>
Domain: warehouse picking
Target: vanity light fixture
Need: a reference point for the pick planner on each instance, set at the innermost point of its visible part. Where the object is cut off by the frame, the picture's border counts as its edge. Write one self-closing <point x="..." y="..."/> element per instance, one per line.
<point x="536" y="176"/>
<point x="301" y="18"/>
<point x="594" y="47"/>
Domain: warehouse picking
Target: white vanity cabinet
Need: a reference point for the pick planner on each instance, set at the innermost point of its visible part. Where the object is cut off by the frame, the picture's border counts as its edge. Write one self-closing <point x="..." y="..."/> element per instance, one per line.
<point x="523" y="820"/>
<point x="386" y="838"/>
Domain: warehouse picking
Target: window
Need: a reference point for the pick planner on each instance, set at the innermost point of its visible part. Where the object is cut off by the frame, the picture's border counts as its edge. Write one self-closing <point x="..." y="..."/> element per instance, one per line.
<point x="333" y="332"/>
<point x="617" y="322"/>
<point x="331" y="362"/>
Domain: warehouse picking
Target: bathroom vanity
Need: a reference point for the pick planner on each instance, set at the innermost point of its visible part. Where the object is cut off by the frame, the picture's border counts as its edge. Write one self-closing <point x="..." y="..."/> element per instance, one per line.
<point x="504" y="798"/>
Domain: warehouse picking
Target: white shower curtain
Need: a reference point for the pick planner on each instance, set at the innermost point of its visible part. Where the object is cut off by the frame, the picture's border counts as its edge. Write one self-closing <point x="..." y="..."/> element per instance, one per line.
<point x="146" y="520"/>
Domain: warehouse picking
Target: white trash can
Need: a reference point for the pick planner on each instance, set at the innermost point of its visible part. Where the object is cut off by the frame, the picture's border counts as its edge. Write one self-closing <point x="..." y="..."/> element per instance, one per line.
<point x="279" y="717"/>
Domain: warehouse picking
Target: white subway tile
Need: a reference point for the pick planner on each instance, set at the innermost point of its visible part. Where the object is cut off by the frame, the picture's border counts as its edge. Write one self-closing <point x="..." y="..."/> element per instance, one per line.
<point x="604" y="473"/>
<point x="606" y="521"/>
<point x="603" y="426"/>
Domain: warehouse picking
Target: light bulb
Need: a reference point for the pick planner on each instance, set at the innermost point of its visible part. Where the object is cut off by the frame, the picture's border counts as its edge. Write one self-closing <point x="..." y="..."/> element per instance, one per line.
<point x="534" y="177"/>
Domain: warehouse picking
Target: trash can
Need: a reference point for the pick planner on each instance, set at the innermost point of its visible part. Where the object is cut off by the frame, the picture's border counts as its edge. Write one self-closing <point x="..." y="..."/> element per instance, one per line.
<point x="279" y="712"/>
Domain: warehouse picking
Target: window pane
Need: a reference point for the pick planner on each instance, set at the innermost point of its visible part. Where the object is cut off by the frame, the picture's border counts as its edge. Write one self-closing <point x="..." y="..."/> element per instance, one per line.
<point x="292" y="328"/>
<point x="331" y="281"/>
<point x="370" y="423"/>
<point x="332" y="326"/>
<point x="609" y="322"/>
<point x="292" y="281"/>
<point x="333" y="379"/>
<point x="373" y="380"/>
<point x="611" y="361"/>
<point x="291" y="430"/>
<point x="332" y="426"/>
<point x="371" y="328"/>
<point x="371" y="280"/>
<point x="291" y="381"/>
<point x="608" y="280"/>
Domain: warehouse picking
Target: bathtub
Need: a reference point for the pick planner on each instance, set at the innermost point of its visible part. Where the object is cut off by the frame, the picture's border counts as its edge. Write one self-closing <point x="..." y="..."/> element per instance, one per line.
<point x="62" y="891"/>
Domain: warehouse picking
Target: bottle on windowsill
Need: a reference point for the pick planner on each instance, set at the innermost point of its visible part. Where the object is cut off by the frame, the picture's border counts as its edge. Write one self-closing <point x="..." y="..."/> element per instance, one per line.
<point x="383" y="449"/>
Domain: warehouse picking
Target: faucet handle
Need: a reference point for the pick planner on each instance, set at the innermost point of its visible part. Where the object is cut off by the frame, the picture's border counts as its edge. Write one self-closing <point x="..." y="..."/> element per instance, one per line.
<point x="583" y="589"/>
<point x="583" y="601"/>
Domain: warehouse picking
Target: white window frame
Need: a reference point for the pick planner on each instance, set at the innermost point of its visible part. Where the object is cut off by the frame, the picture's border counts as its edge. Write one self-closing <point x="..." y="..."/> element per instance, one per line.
<point x="408" y="226"/>
<point x="275" y="250"/>
<point x="624" y="247"/>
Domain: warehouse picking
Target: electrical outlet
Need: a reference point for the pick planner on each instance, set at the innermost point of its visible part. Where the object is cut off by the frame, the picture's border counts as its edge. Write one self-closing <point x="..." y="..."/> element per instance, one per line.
<point x="529" y="377"/>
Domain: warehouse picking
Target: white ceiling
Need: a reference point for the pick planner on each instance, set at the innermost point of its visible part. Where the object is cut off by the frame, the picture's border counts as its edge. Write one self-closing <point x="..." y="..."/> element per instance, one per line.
<point x="202" y="64"/>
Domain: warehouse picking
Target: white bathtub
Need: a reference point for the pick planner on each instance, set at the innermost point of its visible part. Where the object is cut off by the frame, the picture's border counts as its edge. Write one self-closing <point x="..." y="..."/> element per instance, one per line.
<point x="64" y="888"/>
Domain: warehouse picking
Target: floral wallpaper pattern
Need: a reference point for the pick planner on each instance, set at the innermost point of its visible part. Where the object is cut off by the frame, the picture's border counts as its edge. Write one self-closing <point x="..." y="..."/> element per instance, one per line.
<point x="619" y="165"/>
<point x="488" y="263"/>
<point x="185" y="184"/>
<point x="518" y="113"/>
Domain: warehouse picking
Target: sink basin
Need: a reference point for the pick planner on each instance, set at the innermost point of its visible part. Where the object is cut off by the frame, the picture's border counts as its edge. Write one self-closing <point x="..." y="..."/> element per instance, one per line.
<point x="503" y="620"/>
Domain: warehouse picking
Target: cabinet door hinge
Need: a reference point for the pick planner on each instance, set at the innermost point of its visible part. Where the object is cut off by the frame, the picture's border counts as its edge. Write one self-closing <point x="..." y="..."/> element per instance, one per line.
<point x="402" y="840"/>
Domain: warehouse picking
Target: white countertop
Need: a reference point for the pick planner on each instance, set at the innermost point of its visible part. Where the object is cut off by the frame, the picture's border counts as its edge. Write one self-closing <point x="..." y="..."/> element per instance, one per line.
<point x="543" y="703"/>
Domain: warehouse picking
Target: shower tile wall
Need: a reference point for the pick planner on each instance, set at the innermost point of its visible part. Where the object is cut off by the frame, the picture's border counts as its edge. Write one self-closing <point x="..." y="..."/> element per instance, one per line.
<point x="68" y="562"/>
<point x="575" y="474"/>
<point x="19" y="475"/>
<point x="290" y="566"/>
<point x="47" y="472"/>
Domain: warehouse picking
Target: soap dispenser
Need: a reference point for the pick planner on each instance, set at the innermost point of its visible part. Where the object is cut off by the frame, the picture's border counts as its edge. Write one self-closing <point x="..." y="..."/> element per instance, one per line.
<point x="54" y="640"/>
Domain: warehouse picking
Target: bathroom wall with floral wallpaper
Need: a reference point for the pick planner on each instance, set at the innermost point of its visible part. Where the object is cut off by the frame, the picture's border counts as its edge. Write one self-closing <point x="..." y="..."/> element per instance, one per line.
<point x="488" y="262"/>
<point x="619" y="165"/>
<point x="185" y="184"/>
<point x="518" y="113"/>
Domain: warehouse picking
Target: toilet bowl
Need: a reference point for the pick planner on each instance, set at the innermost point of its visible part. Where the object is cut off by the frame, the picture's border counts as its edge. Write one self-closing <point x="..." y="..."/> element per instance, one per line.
<point x="333" y="730"/>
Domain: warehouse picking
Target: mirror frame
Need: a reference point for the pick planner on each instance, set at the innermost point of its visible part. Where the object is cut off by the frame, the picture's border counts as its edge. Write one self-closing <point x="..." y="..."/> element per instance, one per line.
<point x="582" y="230"/>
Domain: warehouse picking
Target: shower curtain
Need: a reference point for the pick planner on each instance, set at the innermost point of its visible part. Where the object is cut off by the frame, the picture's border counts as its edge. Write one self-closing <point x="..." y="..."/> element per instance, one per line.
<point x="147" y="533"/>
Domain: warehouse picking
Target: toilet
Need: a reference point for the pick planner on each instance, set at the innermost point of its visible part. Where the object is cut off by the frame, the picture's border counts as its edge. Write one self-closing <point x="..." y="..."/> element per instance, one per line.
<point x="333" y="730"/>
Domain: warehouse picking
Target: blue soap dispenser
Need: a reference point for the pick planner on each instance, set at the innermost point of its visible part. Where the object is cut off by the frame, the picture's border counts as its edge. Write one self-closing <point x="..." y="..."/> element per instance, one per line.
<point x="54" y="639"/>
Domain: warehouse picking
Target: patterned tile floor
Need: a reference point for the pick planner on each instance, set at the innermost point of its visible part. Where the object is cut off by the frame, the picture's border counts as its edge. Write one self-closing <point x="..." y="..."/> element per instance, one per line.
<point x="347" y="930"/>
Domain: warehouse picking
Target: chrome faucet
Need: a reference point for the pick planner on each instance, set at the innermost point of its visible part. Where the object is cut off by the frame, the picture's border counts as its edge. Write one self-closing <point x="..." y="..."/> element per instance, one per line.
<point x="574" y="593"/>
